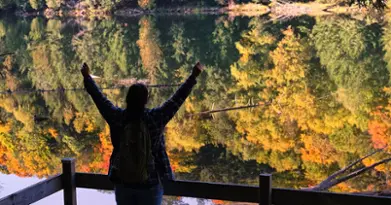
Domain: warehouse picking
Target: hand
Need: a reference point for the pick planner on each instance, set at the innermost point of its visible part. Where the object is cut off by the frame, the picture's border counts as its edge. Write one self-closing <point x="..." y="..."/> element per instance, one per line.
<point x="197" y="69"/>
<point x="85" y="70"/>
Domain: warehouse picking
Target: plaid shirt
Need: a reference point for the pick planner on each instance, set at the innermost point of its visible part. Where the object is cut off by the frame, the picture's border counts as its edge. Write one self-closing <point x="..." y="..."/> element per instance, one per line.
<point x="156" y="120"/>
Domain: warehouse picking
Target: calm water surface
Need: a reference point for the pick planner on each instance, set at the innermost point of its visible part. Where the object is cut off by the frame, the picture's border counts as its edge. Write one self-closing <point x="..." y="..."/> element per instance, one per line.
<point x="321" y="83"/>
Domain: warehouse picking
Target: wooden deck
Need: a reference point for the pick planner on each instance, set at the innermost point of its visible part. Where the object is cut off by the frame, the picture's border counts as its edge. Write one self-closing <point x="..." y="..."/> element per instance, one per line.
<point x="263" y="194"/>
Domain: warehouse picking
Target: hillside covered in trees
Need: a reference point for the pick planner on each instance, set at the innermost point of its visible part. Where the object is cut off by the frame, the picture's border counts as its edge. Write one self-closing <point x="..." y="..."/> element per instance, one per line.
<point x="101" y="7"/>
<point x="112" y="4"/>
<point x="322" y="102"/>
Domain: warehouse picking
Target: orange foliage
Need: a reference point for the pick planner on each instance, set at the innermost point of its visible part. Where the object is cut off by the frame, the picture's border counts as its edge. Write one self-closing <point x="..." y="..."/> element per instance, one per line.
<point x="7" y="158"/>
<point x="345" y="187"/>
<point x="318" y="149"/>
<point x="216" y="201"/>
<point x="146" y="4"/>
<point x="370" y="161"/>
<point x="379" y="127"/>
<point x="53" y="132"/>
<point x="105" y="147"/>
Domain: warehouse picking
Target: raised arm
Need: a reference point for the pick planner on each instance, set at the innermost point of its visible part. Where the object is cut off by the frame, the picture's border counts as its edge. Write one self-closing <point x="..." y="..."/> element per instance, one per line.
<point x="105" y="107"/>
<point x="168" y="109"/>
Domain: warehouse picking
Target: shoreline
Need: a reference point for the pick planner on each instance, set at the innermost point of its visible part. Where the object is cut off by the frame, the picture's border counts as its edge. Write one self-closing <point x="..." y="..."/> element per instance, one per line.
<point x="250" y="9"/>
<point x="129" y="12"/>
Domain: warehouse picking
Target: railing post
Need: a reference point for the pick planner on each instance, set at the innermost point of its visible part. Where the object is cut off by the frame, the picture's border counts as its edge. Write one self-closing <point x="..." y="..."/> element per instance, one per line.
<point x="69" y="181"/>
<point x="265" y="189"/>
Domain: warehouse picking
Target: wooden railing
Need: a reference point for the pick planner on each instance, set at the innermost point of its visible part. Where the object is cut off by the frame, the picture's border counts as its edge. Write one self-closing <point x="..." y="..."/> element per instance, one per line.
<point x="263" y="194"/>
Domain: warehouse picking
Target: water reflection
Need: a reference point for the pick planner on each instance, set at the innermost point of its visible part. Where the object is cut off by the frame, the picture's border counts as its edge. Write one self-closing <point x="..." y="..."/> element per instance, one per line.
<point x="322" y="85"/>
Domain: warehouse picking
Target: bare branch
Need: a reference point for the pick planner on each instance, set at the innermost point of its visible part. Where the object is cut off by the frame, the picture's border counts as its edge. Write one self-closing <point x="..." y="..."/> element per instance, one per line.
<point x="355" y="162"/>
<point x="360" y="171"/>
<point x="328" y="183"/>
<point x="350" y="176"/>
<point x="223" y="110"/>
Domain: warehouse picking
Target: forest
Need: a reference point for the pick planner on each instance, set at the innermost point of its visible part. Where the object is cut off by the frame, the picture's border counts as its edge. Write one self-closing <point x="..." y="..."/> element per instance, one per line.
<point x="112" y="4"/>
<point x="320" y="102"/>
<point x="31" y="6"/>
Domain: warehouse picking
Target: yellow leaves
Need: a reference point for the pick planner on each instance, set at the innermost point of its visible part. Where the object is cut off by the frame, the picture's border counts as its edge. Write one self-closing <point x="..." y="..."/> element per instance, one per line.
<point x="176" y="165"/>
<point x="68" y="114"/>
<point x="263" y="131"/>
<point x="244" y="51"/>
<point x="299" y="106"/>
<point x="3" y="30"/>
<point x="54" y="25"/>
<point x="264" y="39"/>
<point x="189" y="106"/>
<point x="90" y="126"/>
<point x="8" y="62"/>
<point x="5" y="127"/>
<point x="288" y="31"/>
<point x="8" y="103"/>
<point x="83" y="122"/>
<point x="150" y="52"/>
<point x="25" y="117"/>
<point x="253" y="43"/>
<point x="290" y="60"/>
<point x="241" y="77"/>
<point x="36" y="29"/>
<point x="283" y="162"/>
<point x="294" y="100"/>
<point x="181" y="135"/>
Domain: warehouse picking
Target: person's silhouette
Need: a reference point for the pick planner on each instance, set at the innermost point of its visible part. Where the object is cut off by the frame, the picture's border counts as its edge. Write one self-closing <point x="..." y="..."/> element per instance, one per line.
<point x="134" y="184"/>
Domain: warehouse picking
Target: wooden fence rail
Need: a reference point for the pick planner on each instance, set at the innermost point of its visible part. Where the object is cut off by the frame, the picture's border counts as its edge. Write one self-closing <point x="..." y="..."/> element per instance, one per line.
<point x="263" y="194"/>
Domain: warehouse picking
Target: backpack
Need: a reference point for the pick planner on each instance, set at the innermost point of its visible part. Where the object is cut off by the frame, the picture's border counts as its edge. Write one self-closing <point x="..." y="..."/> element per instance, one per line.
<point x="135" y="153"/>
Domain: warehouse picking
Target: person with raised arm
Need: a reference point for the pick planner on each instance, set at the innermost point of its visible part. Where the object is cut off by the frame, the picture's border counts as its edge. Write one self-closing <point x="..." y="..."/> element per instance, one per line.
<point x="139" y="163"/>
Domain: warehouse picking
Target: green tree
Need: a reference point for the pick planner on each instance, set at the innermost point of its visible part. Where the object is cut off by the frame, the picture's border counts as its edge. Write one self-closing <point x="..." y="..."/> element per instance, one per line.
<point x="356" y="70"/>
<point x="4" y="3"/>
<point x="36" y="4"/>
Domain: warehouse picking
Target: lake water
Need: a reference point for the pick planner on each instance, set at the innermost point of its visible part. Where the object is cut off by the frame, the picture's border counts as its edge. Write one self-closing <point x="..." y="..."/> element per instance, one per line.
<point x="321" y="85"/>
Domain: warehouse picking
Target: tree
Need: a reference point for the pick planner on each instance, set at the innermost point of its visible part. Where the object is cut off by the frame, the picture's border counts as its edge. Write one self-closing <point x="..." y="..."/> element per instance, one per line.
<point x="36" y="4"/>
<point x="150" y="51"/>
<point x="147" y="4"/>
<point x="4" y="3"/>
<point x="54" y="4"/>
<point x="356" y="70"/>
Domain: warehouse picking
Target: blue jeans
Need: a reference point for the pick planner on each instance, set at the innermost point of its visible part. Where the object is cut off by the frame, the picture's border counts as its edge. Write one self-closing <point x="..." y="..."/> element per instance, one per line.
<point x="138" y="196"/>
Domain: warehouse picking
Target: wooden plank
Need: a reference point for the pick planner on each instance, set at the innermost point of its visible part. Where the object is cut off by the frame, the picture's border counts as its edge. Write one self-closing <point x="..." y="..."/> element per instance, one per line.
<point x="69" y="181"/>
<point x="300" y="197"/>
<point x="93" y="181"/>
<point x="34" y="192"/>
<point x="265" y="189"/>
<point x="240" y="192"/>
<point x="229" y="192"/>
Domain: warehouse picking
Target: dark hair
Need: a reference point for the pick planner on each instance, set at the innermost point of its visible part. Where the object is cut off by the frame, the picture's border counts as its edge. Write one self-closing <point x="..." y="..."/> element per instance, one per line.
<point x="136" y="99"/>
